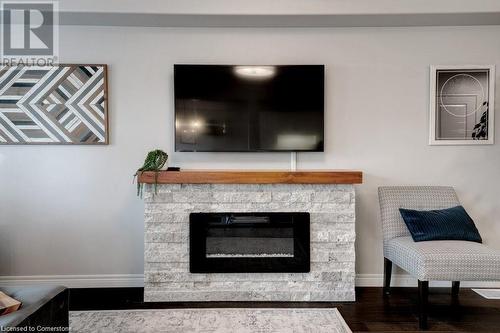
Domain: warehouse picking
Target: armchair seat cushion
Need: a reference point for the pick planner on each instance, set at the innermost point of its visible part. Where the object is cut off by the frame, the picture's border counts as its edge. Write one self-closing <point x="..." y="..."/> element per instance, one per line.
<point x="447" y="260"/>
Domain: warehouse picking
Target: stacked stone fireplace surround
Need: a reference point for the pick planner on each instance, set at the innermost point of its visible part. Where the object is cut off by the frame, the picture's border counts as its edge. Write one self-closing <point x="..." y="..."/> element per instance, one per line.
<point x="332" y="228"/>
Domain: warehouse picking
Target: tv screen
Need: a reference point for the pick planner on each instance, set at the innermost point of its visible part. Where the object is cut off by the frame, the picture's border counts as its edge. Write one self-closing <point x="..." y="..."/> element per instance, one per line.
<point x="249" y="108"/>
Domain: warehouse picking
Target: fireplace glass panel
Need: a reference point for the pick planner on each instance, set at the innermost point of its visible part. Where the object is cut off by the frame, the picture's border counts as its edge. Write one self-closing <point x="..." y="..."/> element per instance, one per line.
<point x="248" y="241"/>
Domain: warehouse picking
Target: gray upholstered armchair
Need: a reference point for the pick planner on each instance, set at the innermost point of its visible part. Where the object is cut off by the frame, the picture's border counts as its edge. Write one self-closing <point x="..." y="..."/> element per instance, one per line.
<point x="430" y="260"/>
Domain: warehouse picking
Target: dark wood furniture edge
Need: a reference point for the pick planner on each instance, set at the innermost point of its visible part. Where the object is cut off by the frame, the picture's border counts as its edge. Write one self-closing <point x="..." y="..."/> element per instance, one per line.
<point x="251" y="177"/>
<point x="54" y="313"/>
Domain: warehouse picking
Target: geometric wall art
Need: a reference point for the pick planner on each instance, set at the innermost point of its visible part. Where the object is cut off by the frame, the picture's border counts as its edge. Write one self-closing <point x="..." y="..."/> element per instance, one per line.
<point x="462" y="105"/>
<point x="61" y="104"/>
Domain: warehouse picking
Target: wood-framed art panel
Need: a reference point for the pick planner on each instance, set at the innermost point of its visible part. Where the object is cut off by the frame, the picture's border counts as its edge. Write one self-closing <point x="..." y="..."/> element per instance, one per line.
<point x="65" y="104"/>
<point x="462" y="105"/>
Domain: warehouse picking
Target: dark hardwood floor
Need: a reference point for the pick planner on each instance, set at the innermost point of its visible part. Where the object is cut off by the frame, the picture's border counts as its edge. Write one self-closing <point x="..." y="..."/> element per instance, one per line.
<point x="370" y="313"/>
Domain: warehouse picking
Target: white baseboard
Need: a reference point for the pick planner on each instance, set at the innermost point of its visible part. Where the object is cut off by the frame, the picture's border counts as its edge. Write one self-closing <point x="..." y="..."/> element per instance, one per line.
<point x="77" y="281"/>
<point x="403" y="280"/>
<point x="137" y="280"/>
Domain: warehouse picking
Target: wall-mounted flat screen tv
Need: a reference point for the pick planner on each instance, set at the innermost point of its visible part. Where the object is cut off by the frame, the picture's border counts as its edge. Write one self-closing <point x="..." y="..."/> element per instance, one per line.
<point x="224" y="108"/>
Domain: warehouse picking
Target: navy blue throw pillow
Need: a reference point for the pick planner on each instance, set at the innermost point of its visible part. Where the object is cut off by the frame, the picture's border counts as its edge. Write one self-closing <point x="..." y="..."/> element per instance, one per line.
<point x="444" y="224"/>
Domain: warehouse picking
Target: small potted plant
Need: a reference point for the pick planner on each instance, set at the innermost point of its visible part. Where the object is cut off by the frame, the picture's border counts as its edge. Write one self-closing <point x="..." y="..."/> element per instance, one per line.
<point x="155" y="160"/>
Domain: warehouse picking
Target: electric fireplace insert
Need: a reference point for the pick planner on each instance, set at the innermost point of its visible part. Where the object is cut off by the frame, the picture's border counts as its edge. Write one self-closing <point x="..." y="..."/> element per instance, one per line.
<point x="249" y="242"/>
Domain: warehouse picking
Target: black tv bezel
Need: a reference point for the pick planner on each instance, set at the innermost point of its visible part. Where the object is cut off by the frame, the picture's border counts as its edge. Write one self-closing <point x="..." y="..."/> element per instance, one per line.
<point x="255" y="150"/>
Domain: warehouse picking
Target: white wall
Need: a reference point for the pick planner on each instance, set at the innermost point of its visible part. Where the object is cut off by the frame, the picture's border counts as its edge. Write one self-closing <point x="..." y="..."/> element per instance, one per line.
<point x="73" y="210"/>
<point x="267" y="7"/>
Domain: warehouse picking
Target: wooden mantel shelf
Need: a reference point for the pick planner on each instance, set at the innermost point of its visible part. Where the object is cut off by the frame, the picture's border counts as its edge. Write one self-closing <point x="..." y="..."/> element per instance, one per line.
<point x="252" y="177"/>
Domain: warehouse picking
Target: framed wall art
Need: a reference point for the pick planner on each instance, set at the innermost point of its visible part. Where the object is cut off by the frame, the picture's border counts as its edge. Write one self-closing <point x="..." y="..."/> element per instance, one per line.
<point x="462" y="105"/>
<point x="63" y="104"/>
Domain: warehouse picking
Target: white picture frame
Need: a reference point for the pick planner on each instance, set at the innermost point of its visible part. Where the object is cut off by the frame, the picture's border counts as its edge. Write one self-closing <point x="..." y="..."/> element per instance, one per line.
<point x="436" y="136"/>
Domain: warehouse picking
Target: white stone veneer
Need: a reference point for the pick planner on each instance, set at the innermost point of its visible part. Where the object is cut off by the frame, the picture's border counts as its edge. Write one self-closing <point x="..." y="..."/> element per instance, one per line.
<point x="167" y="276"/>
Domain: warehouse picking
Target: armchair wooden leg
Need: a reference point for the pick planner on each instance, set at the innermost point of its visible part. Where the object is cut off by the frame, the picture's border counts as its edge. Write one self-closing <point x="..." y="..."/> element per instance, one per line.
<point x="455" y="288"/>
<point x="387" y="276"/>
<point x="423" y="297"/>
